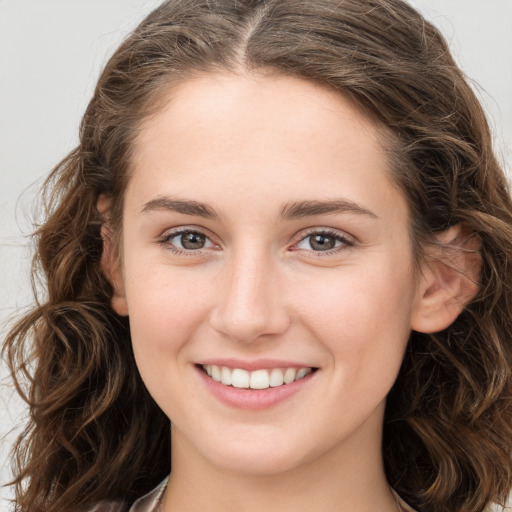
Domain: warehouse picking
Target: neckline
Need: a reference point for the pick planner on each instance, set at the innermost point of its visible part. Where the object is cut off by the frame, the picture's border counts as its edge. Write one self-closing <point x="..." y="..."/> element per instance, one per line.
<point x="153" y="500"/>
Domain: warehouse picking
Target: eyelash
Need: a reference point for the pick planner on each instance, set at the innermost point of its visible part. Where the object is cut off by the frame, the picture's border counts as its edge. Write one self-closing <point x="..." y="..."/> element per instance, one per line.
<point x="167" y="237"/>
<point x="345" y="241"/>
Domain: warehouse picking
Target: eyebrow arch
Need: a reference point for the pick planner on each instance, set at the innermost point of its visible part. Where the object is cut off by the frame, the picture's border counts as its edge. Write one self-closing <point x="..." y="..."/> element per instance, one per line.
<point x="309" y="208"/>
<point x="185" y="206"/>
<point x="290" y="211"/>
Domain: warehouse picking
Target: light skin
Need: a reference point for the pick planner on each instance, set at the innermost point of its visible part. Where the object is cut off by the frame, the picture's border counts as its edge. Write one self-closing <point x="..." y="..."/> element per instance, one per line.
<point x="261" y="222"/>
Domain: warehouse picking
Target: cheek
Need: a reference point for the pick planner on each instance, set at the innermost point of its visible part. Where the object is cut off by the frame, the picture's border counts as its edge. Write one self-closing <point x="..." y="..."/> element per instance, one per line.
<point x="362" y="315"/>
<point x="165" y="309"/>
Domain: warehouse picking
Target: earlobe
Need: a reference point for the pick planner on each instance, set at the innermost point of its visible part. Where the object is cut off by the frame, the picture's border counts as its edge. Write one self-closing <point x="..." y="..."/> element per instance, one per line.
<point x="450" y="280"/>
<point x="110" y="264"/>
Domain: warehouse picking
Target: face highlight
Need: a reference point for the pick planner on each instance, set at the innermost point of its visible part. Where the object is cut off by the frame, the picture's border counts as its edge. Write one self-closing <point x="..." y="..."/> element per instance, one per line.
<point x="266" y="271"/>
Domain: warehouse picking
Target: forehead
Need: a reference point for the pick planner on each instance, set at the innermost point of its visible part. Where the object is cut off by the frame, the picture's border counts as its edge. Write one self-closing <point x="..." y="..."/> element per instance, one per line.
<point x="256" y="104"/>
<point x="226" y="134"/>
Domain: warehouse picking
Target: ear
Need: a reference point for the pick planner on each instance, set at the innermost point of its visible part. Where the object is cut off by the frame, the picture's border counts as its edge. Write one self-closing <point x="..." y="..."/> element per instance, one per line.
<point x="450" y="280"/>
<point x="110" y="264"/>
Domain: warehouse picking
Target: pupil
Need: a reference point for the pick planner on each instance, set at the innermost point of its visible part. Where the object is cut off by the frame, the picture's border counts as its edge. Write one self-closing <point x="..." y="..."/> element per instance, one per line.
<point x="322" y="242"/>
<point x="192" y="240"/>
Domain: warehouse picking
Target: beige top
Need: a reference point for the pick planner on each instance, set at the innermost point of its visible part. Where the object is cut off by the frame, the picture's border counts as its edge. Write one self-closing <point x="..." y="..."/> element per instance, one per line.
<point x="151" y="501"/>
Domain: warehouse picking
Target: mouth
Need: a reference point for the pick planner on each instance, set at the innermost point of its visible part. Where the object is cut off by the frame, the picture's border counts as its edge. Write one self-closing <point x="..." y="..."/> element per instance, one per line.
<point x="258" y="379"/>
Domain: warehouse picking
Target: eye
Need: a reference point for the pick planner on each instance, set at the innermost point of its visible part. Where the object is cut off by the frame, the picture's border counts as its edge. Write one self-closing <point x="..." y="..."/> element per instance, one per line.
<point x="323" y="241"/>
<point x="187" y="240"/>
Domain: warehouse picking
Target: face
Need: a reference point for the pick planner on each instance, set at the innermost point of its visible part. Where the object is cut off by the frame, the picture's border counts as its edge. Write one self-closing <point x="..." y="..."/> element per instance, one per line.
<point x="264" y="244"/>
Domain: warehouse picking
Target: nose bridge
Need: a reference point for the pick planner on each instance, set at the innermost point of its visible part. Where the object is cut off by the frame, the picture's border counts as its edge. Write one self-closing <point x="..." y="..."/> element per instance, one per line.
<point x="250" y="304"/>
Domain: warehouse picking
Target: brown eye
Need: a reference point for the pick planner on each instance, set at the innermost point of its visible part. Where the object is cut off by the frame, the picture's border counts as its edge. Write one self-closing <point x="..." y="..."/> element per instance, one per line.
<point x="192" y="240"/>
<point x="322" y="242"/>
<point x="187" y="240"/>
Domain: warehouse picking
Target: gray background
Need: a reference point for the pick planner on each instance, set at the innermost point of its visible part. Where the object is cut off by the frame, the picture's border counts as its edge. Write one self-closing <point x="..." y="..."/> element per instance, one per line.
<point x="51" y="52"/>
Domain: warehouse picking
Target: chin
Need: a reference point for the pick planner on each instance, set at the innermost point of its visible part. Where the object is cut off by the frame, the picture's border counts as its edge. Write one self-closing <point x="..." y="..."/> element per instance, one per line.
<point x="254" y="458"/>
<point x="258" y="464"/>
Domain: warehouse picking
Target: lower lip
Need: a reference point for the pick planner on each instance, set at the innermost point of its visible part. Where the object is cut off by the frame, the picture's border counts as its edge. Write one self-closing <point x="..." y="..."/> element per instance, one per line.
<point x="253" y="399"/>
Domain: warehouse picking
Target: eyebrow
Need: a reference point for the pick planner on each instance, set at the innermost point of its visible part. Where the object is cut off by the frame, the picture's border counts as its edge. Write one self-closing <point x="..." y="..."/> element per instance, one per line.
<point x="185" y="206"/>
<point x="310" y="208"/>
<point x="290" y="211"/>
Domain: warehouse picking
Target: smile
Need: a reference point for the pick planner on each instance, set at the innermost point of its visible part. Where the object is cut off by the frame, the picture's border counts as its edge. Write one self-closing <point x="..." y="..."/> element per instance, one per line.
<point x="258" y="379"/>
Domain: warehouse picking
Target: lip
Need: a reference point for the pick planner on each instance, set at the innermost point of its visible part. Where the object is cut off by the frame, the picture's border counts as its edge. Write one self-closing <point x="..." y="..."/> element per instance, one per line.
<point x="257" y="364"/>
<point x="253" y="399"/>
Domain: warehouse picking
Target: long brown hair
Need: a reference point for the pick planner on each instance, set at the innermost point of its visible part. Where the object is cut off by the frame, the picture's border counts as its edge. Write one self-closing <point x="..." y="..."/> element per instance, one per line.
<point x="94" y="432"/>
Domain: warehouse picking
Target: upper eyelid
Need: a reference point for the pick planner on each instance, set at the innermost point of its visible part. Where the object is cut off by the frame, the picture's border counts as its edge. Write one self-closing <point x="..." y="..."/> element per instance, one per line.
<point x="329" y="231"/>
<point x="300" y="236"/>
<point x="169" y="233"/>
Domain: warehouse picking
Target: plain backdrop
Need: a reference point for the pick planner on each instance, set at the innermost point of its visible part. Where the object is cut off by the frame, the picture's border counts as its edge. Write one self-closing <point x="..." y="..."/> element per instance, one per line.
<point x="51" y="53"/>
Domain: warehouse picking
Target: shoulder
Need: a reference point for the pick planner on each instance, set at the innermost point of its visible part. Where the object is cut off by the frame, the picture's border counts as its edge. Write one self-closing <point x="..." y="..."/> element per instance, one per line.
<point x="146" y="503"/>
<point x="402" y="504"/>
<point x="107" y="506"/>
<point x="151" y="501"/>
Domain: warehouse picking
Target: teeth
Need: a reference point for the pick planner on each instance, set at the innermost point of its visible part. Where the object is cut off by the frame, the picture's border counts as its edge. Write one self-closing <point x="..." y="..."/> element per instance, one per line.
<point x="258" y="379"/>
<point x="302" y="373"/>
<point x="276" y="378"/>
<point x="216" y="375"/>
<point x="239" y="378"/>
<point x="225" y="376"/>
<point x="289" y="375"/>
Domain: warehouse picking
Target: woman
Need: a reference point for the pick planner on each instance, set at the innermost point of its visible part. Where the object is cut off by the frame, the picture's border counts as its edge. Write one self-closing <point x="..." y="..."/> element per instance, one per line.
<point x="278" y="262"/>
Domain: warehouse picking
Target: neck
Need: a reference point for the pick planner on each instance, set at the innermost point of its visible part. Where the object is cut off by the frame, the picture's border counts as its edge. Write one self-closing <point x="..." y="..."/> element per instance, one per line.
<point x="348" y="478"/>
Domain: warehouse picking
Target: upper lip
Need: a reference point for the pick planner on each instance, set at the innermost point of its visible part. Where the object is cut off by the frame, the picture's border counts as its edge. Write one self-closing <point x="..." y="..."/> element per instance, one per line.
<point x="257" y="364"/>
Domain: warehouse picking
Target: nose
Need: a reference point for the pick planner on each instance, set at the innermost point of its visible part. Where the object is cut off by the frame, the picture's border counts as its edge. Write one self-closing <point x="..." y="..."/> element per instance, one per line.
<point x="250" y="304"/>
